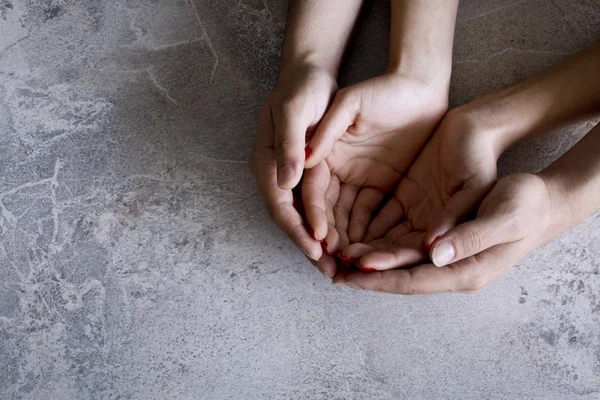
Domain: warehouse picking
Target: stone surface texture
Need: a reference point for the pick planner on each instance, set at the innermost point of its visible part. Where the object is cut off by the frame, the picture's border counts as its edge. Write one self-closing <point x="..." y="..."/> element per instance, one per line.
<point x="137" y="260"/>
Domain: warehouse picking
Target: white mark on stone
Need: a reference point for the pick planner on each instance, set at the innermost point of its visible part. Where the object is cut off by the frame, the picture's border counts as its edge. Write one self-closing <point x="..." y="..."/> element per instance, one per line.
<point x="509" y="50"/>
<point x="165" y="46"/>
<point x="7" y="215"/>
<point x="53" y="187"/>
<point x="161" y="88"/>
<point x="208" y="41"/>
<point x="491" y="11"/>
<point x="4" y="50"/>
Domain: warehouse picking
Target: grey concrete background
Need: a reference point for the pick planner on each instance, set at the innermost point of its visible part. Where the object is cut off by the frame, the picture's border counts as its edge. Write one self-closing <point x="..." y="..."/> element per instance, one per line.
<point x="137" y="262"/>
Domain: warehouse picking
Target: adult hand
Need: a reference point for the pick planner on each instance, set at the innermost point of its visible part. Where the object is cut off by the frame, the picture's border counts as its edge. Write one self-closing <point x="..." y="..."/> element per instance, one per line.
<point x="479" y="251"/>
<point x="291" y="112"/>
<point x="446" y="183"/>
<point x="369" y="137"/>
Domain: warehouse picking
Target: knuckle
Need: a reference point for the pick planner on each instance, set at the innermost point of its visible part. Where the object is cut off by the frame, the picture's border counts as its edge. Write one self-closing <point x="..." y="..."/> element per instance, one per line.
<point x="408" y="286"/>
<point x="285" y="146"/>
<point x="515" y="226"/>
<point x="473" y="242"/>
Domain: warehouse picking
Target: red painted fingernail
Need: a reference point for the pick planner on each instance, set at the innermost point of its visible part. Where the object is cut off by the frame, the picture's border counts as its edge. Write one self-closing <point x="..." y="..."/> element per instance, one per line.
<point x="326" y="248"/>
<point x="428" y="247"/>
<point x="307" y="152"/>
<point x="365" y="267"/>
<point x="345" y="258"/>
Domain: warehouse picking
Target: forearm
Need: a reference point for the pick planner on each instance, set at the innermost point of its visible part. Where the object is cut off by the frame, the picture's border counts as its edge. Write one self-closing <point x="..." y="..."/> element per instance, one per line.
<point x="574" y="183"/>
<point x="317" y="32"/>
<point x="421" y="38"/>
<point x="566" y="93"/>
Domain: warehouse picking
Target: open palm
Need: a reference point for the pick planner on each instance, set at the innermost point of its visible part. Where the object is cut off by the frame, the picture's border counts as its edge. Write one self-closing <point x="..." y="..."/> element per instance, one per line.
<point x="445" y="184"/>
<point x="368" y="138"/>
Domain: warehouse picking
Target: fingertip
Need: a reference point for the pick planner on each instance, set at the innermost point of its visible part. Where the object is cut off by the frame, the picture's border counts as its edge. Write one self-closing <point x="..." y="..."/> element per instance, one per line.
<point x="331" y="244"/>
<point x="338" y="279"/>
<point x="307" y="153"/>
<point x="313" y="250"/>
<point x="328" y="266"/>
<point x="319" y="233"/>
<point x="313" y="255"/>
<point x="288" y="177"/>
<point x="366" y="268"/>
<point x="355" y="233"/>
<point x="355" y="251"/>
<point x="312" y="157"/>
<point x="370" y="262"/>
<point x="443" y="253"/>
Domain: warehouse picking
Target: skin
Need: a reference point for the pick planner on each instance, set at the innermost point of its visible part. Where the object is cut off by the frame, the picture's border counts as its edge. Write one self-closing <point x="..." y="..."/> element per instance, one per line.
<point x="452" y="175"/>
<point x="295" y="113"/>
<point x="316" y="36"/>
<point x="503" y="231"/>
<point x="373" y="130"/>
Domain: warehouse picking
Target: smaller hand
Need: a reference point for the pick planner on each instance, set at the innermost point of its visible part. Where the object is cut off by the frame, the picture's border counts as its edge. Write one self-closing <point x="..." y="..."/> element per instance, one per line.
<point x="290" y="114"/>
<point x="296" y="106"/>
<point x="365" y="144"/>
<point x="515" y="218"/>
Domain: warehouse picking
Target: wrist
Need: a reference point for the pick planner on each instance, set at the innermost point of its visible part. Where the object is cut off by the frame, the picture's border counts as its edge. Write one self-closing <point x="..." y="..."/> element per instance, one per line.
<point x="421" y="39"/>
<point x="505" y="116"/>
<point x="561" y="216"/>
<point x="437" y="77"/>
<point x="309" y="60"/>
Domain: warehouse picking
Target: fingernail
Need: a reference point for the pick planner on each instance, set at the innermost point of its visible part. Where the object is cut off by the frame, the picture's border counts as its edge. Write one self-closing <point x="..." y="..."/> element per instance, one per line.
<point x="326" y="248"/>
<point x="330" y="275"/>
<point x="312" y="233"/>
<point x="443" y="254"/>
<point x="307" y="152"/>
<point x="285" y="174"/>
<point x="366" y="268"/>
<point x="429" y="246"/>
<point x="345" y="258"/>
<point x="310" y="256"/>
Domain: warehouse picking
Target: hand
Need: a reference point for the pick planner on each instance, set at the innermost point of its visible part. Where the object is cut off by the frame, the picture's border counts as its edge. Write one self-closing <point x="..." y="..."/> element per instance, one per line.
<point x="515" y="218"/>
<point x="291" y="112"/>
<point x="368" y="138"/>
<point x="445" y="184"/>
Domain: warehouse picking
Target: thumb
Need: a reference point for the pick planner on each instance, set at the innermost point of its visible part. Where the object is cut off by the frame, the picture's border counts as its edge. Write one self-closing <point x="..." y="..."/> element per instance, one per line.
<point x="289" y="142"/>
<point x="463" y="203"/>
<point x="335" y="123"/>
<point x="473" y="237"/>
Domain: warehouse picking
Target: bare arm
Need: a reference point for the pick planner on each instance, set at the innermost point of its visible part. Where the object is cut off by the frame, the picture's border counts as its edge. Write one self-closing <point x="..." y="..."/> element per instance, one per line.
<point x="421" y="37"/>
<point x="574" y="183"/>
<point x="318" y="31"/>
<point x="566" y="93"/>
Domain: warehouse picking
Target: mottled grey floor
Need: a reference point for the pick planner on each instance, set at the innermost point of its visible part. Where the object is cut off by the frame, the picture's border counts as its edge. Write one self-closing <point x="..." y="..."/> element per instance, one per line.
<point x="137" y="262"/>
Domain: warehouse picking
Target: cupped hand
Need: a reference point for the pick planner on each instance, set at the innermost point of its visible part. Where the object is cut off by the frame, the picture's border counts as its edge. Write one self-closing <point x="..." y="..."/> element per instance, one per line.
<point x="514" y="218"/>
<point x="290" y="114"/>
<point x="369" y="137"/>
<point x="446" y="183"/>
